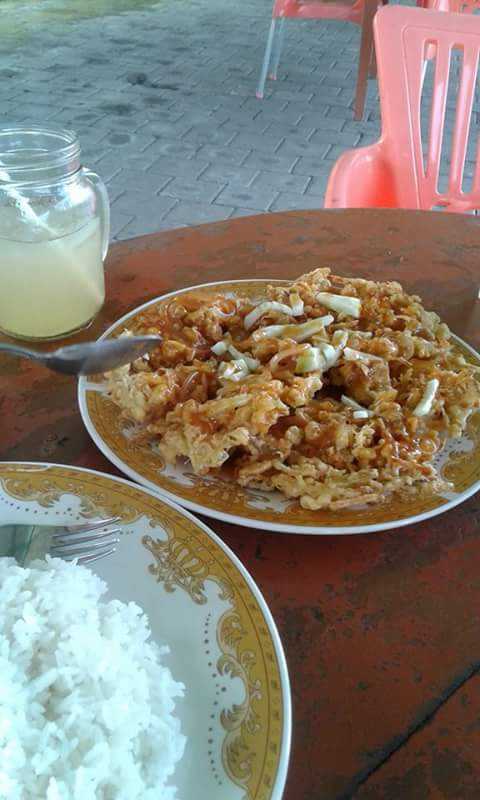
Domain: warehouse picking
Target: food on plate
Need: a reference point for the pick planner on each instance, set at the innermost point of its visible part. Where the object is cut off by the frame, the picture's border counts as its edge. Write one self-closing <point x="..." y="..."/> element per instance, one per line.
<point x="334" y="391"/>
<point x="86" y="704"/>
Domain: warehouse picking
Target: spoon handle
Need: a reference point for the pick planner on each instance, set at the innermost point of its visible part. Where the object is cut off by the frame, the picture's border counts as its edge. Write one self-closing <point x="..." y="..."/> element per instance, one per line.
<point x="16" y="350"/>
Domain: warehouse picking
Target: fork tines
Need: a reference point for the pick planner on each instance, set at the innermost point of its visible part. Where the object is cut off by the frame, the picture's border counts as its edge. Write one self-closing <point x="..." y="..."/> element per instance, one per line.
<point x="87" y="541"/>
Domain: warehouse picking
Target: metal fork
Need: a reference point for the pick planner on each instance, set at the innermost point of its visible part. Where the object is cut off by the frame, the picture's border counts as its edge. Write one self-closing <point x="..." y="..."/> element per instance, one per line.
<point x="86" y="542"/>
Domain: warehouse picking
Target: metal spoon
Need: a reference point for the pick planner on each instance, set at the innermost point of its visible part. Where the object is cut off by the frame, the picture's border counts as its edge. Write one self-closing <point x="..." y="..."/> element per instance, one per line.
<point x="90" y="358"/>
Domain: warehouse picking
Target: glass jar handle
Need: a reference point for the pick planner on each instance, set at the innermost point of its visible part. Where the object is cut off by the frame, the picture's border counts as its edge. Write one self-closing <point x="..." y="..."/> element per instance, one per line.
<point x="102" y="195"/>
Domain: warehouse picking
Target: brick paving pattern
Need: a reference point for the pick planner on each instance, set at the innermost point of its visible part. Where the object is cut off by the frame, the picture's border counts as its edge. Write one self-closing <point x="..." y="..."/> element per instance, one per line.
<point x="163" y="99"/>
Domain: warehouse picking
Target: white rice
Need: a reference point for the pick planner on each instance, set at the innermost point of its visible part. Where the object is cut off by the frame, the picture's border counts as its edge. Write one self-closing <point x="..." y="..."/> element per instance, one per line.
<point x="86" y="705"/>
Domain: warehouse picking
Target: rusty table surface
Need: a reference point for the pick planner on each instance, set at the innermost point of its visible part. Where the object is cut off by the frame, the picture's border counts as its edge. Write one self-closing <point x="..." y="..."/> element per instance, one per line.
<point x="381" y="631"/>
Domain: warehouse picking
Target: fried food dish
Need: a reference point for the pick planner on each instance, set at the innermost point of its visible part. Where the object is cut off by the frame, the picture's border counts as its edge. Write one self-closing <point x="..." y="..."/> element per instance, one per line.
<point x="335" y="391"/>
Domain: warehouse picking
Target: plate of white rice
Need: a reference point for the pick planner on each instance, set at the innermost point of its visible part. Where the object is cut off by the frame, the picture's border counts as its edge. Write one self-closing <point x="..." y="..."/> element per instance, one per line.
<point x="156" y="673"/>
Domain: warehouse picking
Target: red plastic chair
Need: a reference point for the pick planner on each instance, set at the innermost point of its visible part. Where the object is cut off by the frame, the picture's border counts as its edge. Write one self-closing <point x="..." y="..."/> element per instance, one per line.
<point x="360" y="12"/>
<point x="393" y="172"/>
<point x="456" y="6"/>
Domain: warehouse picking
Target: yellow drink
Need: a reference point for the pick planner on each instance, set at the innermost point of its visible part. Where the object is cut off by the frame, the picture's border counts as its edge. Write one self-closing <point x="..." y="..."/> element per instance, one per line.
<point x="51" y="287"/>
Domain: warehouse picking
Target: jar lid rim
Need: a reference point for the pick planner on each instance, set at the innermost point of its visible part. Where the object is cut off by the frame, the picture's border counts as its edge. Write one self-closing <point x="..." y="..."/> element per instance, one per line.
<point x="60" y="145"/>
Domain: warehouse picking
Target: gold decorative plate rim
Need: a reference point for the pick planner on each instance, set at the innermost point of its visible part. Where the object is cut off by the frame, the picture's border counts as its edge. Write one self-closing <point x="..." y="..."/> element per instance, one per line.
<point x="257" y="519"/>
<point x="246" y="597"/>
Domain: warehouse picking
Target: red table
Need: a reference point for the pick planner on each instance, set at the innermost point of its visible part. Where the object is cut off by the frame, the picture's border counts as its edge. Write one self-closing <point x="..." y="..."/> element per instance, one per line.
<point x="381" y="631"/>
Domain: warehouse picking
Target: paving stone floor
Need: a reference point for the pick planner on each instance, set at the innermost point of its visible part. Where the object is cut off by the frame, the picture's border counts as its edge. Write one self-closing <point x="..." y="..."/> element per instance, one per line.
<point x="163" y="98"/>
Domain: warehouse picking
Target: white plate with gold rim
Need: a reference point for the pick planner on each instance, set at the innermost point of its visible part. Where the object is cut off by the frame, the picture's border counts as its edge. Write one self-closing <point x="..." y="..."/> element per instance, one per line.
<point x="221" y="498"/>
<point x="203" y="604"/>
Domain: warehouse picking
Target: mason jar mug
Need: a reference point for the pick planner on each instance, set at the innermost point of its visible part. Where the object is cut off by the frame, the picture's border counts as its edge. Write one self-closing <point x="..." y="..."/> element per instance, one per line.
<point x="54" y="234"/>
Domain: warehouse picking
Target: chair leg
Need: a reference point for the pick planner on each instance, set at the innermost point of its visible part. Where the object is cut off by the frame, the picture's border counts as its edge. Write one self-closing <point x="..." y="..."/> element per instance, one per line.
<point x="372" y="69"/>
<point x="366" y="47"/>
<point x="266" y="60"/>
<point x="277" y="50"/>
